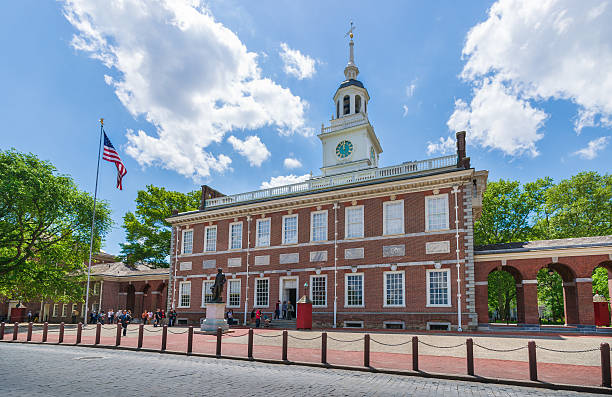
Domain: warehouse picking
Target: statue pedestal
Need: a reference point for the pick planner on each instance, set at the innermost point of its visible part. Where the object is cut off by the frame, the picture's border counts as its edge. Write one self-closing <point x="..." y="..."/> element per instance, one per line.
<point x="215" y="318"/>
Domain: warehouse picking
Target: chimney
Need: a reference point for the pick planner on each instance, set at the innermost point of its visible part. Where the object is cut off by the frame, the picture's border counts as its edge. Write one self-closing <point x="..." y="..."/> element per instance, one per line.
<point x="208" y="193"/>
<point x="462" y="160"/>
<point x="174" y="212"/>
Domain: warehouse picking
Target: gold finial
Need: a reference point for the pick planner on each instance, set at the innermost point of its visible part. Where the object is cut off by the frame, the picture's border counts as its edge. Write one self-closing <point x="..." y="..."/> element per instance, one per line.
<point x="350" y="32"/>
<point x="101" y="121"/>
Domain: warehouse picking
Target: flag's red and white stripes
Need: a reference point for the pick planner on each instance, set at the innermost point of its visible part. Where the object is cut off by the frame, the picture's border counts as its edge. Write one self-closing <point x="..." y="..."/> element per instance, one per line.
<point x="110" y="154"/>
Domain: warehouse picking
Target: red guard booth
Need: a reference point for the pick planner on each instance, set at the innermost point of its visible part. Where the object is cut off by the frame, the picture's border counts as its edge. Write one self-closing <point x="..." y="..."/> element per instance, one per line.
<point x="304" y="313"/>
<point x="602" y="313"/>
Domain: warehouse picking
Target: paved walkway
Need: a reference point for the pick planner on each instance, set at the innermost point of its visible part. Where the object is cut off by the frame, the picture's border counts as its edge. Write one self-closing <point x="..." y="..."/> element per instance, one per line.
<point x="502" y="357"/>
<point x="47" y="370"/>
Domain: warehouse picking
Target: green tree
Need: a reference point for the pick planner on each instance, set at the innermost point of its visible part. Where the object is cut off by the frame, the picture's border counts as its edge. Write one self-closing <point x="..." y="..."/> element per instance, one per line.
<point x="600" y="282"/>
<point x="45" y="226"/>
<point x="550" y="295"/>
<point x="147" y="233"/>
<point x="502" y="293"/>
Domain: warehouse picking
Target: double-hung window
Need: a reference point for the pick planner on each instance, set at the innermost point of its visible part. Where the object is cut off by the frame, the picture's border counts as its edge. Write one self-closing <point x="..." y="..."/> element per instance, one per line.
<point x="438" y="288"/>
<point x="290" y="229"/>
<point x="187" y="241"/>
<point x="262" y="238"/>
<point x="436" y="212"/>
<point x="233" y="293"/>
<point x="207" y="295"/>
<point x="394" y="288"/>
<point x="55" y="309"/>
<point x="64" y="310"/>
<point x="318" y="226"/>
<point x="185" y="294"/>
<point x="235" y="235"/>
<point x="210" y="238"/>
<point x="262" y="290"/>
<point x="353" y="290"/>
<point x="318" y="290"/>
<point x="354" y="221"/>
<point x="393" y="217"/>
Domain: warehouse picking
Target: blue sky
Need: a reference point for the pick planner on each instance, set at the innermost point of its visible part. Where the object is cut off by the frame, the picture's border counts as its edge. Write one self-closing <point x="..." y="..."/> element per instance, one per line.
<point x="224" y="92"/>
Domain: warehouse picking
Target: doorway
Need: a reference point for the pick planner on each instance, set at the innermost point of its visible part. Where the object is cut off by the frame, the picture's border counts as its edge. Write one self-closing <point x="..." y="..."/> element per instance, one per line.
<point x="288" y="291"/>
<point x="45" y="313"/>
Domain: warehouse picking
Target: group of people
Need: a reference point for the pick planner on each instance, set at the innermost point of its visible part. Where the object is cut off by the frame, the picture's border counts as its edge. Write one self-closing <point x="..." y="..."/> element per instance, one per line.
<point x="286" y="311"/>
<point x="109" y="317"/>
<point x="159" y="317"/>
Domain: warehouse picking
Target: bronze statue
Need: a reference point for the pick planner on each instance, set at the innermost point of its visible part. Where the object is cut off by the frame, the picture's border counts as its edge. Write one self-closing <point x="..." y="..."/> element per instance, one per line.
<point x="217" y="288"/>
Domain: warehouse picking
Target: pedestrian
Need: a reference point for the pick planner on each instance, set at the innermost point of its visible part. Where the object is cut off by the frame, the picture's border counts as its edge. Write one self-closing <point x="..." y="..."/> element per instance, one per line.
<point x="289" y="311"/>
<point x="30" y="316"/>
<point x="173" y="318"/>
<point x="110" y="316"/>
<point x="257" y="318"/>
<point x="125" y="320"/>
<point x="157" y="318"/>
<point x="230" y="317"/>
<point x="144" y="316"/>
<point x="163" y="318"/>
<point x="252" y="316"/>
<point x="284" y="310"/>
<point x="277" y="310"/>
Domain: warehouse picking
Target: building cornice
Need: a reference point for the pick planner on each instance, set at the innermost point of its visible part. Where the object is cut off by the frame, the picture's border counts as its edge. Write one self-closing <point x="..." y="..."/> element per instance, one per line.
<point x="544" y="253"/>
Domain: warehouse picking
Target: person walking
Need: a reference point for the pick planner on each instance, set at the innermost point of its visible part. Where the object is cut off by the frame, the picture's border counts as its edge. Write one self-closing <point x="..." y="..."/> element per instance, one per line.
<point x="277" y="310"/>
<point x="173" y="317"/>
<point x="145" y="317"/>
<point x="30" y="316"/>
<point x="110" y="315"/>
<point x="125" y="320"/>
<point x="284" y="310"/>
<point x="289" y="311"/>
<point x="257" y="318"/>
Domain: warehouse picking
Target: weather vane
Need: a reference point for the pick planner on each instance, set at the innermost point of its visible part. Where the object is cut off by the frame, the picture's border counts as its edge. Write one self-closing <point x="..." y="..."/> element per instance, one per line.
<point x="350" y="32"/>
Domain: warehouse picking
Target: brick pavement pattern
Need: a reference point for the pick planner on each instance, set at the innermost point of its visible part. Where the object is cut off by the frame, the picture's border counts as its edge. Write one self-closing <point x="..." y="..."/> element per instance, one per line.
<point x="50" y="370"/>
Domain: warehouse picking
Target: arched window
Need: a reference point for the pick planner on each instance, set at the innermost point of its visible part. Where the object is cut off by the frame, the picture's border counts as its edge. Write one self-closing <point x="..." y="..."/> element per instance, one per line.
<point x="357" y="104"/>
<point x="338" y="109"/>
<point x="347" y="104"/>
<point x="365" y="105"/>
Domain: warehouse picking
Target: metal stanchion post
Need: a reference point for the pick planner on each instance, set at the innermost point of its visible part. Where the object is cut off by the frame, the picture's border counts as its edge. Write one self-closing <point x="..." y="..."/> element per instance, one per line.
<point x="164" y="337"/>
<point x="324" y="348"/>
<point x="29" y="336"/>
<point x="250" y="347"/>
<point x="190" y="339"/>
<point x="15" y="330"/>
<point x="98" y="333"/>
<point x="79" y="333"/>
<point x="533" y="364"/>
<point x="219" y="336"/>
<point x="469" y="343"/>
<point x="118" y="335"/>
<point x="415" y="353"/>
<point x="285" y="342"/>
<point x="2" y="330"/>
<point x="604" y="348"/>
<point x="45" y="331"/>
<point x="366" y="350"/>
<point x="140" y="335"/>
<point x="61" y="333"/>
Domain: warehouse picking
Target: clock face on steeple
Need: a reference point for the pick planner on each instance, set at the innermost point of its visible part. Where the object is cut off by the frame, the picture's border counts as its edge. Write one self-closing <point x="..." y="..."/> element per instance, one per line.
<point x="344" y="149"/>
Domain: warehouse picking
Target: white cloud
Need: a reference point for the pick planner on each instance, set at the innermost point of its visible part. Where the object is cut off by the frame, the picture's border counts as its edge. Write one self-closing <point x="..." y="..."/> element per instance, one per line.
<point x="297" y="64"/>
<point x="186" y="74"/>
<point x="405" y="107"/>
<point x="284" y="180"/>
<point x="593" y="148"/>
<point x="252" y="148"/>
<point x="532" y="51"/>
<point x="292" y="163"/>
<point x="410" y="88"/>
<point x="443" y="146"/>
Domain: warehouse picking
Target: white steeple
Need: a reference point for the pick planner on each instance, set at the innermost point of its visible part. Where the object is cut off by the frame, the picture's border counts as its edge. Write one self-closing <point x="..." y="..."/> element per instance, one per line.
<point x="351" y="70"/>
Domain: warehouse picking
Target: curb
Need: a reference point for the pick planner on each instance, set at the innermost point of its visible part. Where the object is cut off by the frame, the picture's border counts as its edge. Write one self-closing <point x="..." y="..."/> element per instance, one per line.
<point x="433" y="375"/>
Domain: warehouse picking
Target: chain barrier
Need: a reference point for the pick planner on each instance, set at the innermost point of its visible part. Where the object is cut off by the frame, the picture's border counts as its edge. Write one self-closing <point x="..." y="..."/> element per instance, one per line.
<point x="390" y="344"/>
<point x="567" y="351"/>
<point x="340" y="340"/>
<point x="153" y="330"/>
<point x="500" y="350"/>
<point x="442" y="347"/>
<point x="305" y="339"/>
<point x="178" y="333"/>
<point x="235" y="336"/>
<point x="268" y="336"/>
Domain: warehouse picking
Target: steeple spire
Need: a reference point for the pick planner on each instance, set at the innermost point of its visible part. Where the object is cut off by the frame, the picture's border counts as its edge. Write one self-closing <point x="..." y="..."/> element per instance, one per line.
<point x="351" y="70"/>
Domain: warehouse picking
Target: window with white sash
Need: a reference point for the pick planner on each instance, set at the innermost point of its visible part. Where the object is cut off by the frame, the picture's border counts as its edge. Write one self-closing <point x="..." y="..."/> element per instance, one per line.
<point x="262" y="292"/>
<point x="290" y="229"/>
<point x="262" y="237"/>
<point x="233" y="293"/>
<point x="235" y="235"/>
<point x="318" y="226"/>
<point x="436" y="212"/>
<point x="318" y="290"/>
<point x="354" y="221"/>
<point x="353" y="290"/>
<point x="210" y="238"/>
<point x="187" y="241"/>
<point x="393" y="290"/>
<point x="64" y="310"/>
<point x="393" y="217"/>
<point x="184" y="294"/>
<point x="207" y="295"/>
<point x="55" y="309"/>
<point x="438" y="288"/>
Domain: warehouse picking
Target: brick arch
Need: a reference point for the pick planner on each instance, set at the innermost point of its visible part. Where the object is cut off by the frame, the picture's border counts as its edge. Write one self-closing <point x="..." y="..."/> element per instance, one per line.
<point x="518" y="278"/>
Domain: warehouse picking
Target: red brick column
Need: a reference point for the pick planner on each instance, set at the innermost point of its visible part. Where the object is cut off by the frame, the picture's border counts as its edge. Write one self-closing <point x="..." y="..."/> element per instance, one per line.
<point x="530" y="302"/>
<point x="570" y="302"/>
<point x="586" y="311"/>
<point x="520" y="304"/>
<point x="482" y="302"/>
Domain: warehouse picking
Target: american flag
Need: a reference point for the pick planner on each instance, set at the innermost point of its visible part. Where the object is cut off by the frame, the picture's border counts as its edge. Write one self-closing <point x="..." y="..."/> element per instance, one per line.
<point x="110" y="154"/>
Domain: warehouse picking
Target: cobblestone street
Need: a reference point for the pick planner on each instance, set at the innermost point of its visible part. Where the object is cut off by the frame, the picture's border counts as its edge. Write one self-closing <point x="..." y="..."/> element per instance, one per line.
<point x="43" y="370"/>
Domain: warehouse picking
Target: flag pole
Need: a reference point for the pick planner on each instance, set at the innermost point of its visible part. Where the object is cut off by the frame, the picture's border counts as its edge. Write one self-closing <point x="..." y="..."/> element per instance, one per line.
<point x="93" y="220"/>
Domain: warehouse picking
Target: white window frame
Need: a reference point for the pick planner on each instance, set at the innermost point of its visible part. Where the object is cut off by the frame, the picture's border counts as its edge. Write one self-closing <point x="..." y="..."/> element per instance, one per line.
<point x="427" y="200"/>
<point x="82" y="309"/>
<point x="297" y="229"/>
<point x="346" y="223"/>
<point x="354" y="321"/>
<point x="385" y="323"/>
<point x="312" y="215"/>
<point x="256" y="293"/>
<point x="96" y="288"/>
<point x="387" y="204"/>
<point x="74" y="307"/>
<point x="183" y="251"/>
<point x="206" y="247"/>
<point x="55" y="309"/>
<point x="446" y="323"/>
<point x="180" y="294"/>
<point x="346" y="276"/>
<point x="448" y="287"/>
<point x="258" y="243"/>
<point x="324" y="276"/>
<point x="229" y="244"/>
<point x="229" y="290"/>
<point x="204" y="289"/>
<point x="385" y="274"/>
<point x="64" y="309"/>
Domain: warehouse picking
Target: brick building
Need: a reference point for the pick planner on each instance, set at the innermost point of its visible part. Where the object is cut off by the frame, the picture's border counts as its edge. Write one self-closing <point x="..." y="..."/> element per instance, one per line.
<point x="372" y="247"/>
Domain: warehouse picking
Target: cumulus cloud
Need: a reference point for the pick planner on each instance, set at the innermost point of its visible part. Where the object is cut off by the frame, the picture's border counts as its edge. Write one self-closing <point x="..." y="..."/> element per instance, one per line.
<point x="443" y="146"/>
<point x="297" y="64"/>
<point x="284" y="180"/>
<point x="593" y="148"/>
<point x="185" y="73"/>
<point x="252" y="148"/>
<point x="527" y="52"/>
<point x="292" y="163"/>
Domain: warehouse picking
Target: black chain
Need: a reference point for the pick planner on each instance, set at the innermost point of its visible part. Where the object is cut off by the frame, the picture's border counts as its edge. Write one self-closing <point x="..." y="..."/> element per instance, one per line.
<point x="348" y="341"/>
<point x="298" y="338"/>
<point x="441" y="347"/>
<point x="268" y="336"/>
<point x="567" y="351"/>
<point x="390" y="344"/>
<point x="500" y="350"/>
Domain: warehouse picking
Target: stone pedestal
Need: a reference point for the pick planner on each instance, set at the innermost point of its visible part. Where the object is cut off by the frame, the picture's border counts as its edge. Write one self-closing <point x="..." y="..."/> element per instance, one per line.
<point x="215" y="318"/>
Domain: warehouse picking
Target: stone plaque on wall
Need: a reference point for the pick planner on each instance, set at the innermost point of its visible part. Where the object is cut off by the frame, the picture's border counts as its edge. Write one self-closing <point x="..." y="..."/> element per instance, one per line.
<point x="234" y="262"/>
<point x="185" y="266"/>
<point x="353" y="253"/>
<point x="437" y="247"/>
<point x="262" y="260"/>
<point x="209" y="264"/>
<point x="289" y="258"/>
<point x="394" y="250"/>
<point x="318" y="256"/>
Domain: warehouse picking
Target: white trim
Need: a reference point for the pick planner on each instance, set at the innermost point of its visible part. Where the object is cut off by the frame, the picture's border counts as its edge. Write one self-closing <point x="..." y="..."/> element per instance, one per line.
<point x="346" y="276"/>
<point x="385" y="323"/>
<point x="55" y="309"/>
<point x="429" y="198"/>
<point x="312" y="214"/>
<point x="584" y="280"/>
<point x="529" y="282"/>
<point x="258" y="221"/>
<point x="206" y="229"/>
<point x="255" y="305"/>
<point x="385" y="205"/>
<point x="64" y="311"/>
<point x="229" y="290"/>
<point x="297" y="229"/>
<point x="403" y="273"/>
<point x="229" y="241"/>
<point x="281" y="288"/>
<point x="184" y="266"/>
<point x="211" y="282"/>
<point x="180" y="294"/>
<point x="310" y="288"/>
<point x="430" y="323"/>
<point x="448" y="287"/>
<point x="354" y="321"/>
<point x="183" y="242"/>
<point x="481" y="283"/>
<point x="346" y="224"/>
